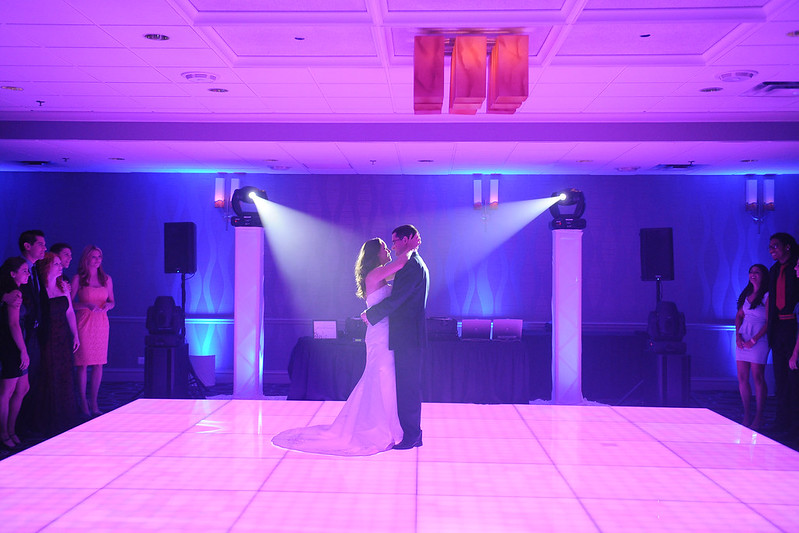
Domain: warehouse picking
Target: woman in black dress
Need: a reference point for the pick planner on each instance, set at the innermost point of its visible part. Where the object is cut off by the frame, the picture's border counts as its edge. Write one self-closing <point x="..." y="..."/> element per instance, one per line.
<point x="57" y="401"/>
<point x="14" y="358"/>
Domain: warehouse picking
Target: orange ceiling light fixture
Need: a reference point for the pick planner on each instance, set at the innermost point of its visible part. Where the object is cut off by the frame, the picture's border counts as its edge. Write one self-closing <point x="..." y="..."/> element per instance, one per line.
<point x="467" y="74"/>
<point x="506" y="83"/>
<point x="428" y="74"/>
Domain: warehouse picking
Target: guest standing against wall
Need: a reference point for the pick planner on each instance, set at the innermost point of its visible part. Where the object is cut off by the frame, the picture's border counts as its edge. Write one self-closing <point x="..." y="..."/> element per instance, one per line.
<point x="32" y="247"/>
<point x="93" y="292"/>
<point x="751" y="323"/>
<point x="64" y="253"/>
<point x="14" y="358"/>
<point x="56" y="393"/>
<point x="784" y="295"/>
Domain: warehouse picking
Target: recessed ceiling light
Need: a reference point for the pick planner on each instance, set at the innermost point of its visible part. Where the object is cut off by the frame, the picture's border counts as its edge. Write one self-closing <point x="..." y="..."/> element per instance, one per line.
<point x="711" y="90"/>
<point x="627" y="169"/>
<point x="645" y="35"/>
<point x="279" y="167"/>
<point x="748" y="160"/>
<point x="585" y="160"/>
<point x="217" y="90"/>
<point x="199" y="77"/>
<point x="11" y="88"/>
<point x="425" y="160"/>
<point x="299" y="38"/>
<point x="116" y="158"/>
<point x="156" y="36"/>
<point x="737" y="75"/>
<point x="271" y="160"/>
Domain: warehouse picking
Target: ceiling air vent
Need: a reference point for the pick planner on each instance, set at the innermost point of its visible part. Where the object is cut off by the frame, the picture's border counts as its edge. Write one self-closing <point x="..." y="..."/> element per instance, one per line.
<point x="677" y="166"/>
<point x="200" y="77"/>
<point x="34" y="163"/>
<point x="774" y="88"/>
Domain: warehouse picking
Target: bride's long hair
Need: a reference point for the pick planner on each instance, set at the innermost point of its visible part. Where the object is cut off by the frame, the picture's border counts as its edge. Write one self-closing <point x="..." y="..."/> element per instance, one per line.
<point x="367" y="261"/>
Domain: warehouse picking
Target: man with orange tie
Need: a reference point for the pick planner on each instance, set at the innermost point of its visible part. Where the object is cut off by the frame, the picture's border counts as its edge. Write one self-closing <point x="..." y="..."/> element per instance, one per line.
<point x="782" y="328"/>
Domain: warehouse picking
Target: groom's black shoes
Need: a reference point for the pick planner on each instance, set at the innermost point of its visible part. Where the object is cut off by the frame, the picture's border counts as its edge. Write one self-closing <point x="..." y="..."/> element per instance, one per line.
<point x="408" y="444"/>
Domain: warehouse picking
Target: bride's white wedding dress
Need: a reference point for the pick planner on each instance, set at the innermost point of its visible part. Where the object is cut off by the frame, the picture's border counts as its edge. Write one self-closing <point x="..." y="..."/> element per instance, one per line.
<point x="368" y="423"/>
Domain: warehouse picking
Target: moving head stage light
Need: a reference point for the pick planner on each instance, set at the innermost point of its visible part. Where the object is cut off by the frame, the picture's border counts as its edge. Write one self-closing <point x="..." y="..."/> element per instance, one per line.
<point x="243" y="203"/>
<point x="573" y="220"/>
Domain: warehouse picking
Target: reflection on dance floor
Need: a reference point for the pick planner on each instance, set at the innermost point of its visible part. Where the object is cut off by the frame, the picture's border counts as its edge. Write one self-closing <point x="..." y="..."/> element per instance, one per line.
<point x="208" y="465"/>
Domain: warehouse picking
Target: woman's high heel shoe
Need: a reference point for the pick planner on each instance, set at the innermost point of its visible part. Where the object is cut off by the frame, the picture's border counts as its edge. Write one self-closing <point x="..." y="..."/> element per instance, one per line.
<point x="8" y="443"/>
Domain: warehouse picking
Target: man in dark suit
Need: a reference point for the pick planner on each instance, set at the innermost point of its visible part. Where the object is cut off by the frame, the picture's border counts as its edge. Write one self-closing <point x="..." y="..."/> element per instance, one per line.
<point x="783" y="296"/>
<point x="407" y="333"/>
<point x="33" y="247"/>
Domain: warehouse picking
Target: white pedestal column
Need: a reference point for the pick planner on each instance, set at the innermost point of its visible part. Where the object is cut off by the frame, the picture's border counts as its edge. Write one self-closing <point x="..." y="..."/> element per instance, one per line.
<point x="567" y="316"/>
<point x="248" y="314"/>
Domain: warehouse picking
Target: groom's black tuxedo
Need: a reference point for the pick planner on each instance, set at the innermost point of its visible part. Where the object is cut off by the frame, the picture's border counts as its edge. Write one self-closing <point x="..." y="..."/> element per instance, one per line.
<point x="407" y="336"/>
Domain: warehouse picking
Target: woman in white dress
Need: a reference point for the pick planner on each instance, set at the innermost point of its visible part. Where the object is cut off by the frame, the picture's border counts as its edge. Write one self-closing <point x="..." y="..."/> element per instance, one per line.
<point x="751" y="343"/>
<point x="368" y="423"/>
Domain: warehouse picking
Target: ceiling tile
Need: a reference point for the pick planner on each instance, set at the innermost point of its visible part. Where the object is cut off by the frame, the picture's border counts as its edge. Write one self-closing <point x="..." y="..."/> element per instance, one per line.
<point x="286" y="90"/>
<point x="640" y="89"/>
<point x="628" y="39"/>
<point x="100" y="57"/>
<point x="19" y="74"/>
<point x="70" y="88"/>
<point x="577" y="74"/>
<point x="760" y="55"/>
<point x="188" y="59"/>
<point x="622" y="104"/>
<point x="297" y="41"/>
<point x="251" y="6"/>
<point x="314" y="155"/>
<point x="359" y="90"/>
<point x="42" y="12"/>
<point x="348" y="75"/>
<point x="221" y="103"/>
<point x="148" y="89"/>
<point x="361" y="105"/>
<point x="65" y="35"/>
<point x="298" y="105"/>
<point x="170" y="103"/>
<point x="274" y="75"/>
<point x="124" y="74"/>
<point x="550" y="90"/>
<point x="22" y="56"/>
<point x="138" y="12"/>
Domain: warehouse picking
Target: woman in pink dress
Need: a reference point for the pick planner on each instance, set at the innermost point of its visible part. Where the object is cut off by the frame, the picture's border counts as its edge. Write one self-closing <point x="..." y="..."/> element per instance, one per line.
<point x="93" y="295"/>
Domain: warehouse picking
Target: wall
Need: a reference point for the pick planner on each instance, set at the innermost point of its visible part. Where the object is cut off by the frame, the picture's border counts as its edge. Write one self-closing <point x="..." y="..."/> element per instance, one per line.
<point x="478" y="265"/>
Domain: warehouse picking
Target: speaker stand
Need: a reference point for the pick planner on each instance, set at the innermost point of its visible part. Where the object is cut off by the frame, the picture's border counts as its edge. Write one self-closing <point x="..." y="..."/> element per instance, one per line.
<point x="658" y="289"/>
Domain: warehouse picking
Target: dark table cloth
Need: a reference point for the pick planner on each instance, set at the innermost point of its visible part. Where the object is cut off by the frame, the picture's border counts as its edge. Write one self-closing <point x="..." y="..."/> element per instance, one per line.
<point x="452" y="371"/>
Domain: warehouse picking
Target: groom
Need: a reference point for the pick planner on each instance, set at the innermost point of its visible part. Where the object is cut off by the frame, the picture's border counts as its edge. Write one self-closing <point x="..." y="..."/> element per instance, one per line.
<point x="407" y="333"/>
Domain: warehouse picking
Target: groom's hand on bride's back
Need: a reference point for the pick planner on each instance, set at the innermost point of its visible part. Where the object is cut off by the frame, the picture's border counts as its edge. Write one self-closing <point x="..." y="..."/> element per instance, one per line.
<point x="363" y="317"/>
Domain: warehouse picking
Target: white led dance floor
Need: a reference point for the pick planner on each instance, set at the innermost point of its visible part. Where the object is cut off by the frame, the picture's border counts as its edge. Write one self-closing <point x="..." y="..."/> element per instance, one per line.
<point x="209" y="465"/>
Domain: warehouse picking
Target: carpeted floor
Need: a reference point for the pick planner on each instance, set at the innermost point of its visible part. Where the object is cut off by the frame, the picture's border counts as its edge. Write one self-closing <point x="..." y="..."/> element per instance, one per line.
<point x="117" y="394"/>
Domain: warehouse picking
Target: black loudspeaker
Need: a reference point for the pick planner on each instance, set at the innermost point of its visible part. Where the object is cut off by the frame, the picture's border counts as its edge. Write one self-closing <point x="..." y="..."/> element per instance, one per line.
<point x="180" y="248"/>
<point x="166" y="367"/>
<point x="657" y="254"/>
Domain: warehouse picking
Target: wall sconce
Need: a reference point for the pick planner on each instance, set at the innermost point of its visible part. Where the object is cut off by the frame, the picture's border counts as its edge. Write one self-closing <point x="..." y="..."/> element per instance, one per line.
<point x="493" y="193"/>
<point x="507" y="82"/>
<point x="219" y="193"/>
<point x="479" y="198"/>
<point x="759" y="197"/>
<point x="224" y="186"/>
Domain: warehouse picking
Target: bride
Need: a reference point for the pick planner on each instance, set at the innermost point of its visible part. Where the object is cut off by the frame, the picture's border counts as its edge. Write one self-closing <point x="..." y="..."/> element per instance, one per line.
<point x="368" y="423"/>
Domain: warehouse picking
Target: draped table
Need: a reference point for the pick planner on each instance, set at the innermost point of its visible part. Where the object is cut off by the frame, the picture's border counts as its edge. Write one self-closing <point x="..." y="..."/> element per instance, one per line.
<point x="453" y="371"/>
